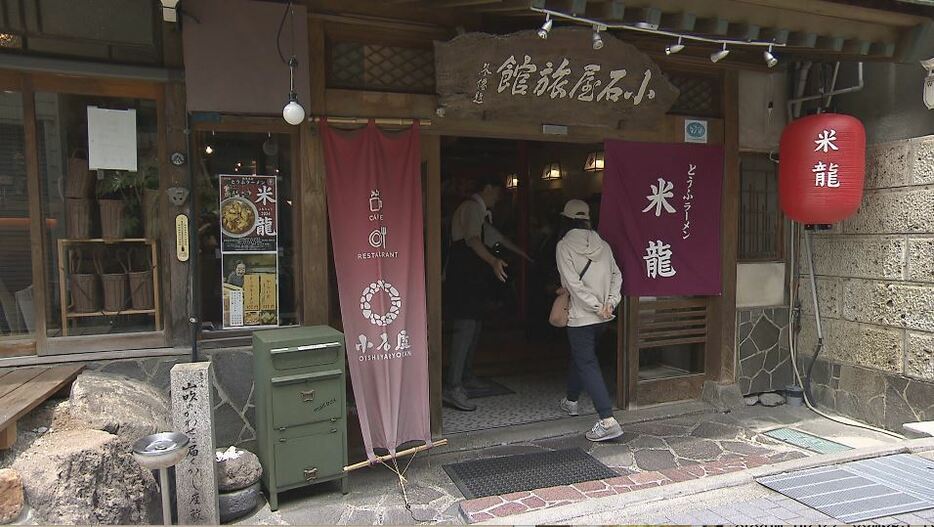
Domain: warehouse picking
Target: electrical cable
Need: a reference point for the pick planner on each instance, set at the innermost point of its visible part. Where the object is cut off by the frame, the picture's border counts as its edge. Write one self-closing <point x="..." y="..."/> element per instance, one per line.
<point x="288" y="9"/>
<point x="793" y="281"/>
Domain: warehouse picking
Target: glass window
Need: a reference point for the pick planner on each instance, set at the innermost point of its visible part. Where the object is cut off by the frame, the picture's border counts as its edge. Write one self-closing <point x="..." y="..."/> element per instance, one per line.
<point x="102" y="224"/>
<point x="17" y="315"/>
<point x="760" y="233"/>
<point x="245" y="284"/>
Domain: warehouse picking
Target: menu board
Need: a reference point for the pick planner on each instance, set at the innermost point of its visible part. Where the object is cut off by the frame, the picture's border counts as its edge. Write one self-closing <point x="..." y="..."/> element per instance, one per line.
<point x="248" y="217"/>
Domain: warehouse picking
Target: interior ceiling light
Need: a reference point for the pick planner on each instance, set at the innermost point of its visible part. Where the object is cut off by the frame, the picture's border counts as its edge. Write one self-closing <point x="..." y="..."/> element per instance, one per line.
<point x="717" y="56"/>
<point x="674" y="48"/>
<point x="546" y="28"/>
<point x="597" y="39"/>
<point x="770" y="59"/>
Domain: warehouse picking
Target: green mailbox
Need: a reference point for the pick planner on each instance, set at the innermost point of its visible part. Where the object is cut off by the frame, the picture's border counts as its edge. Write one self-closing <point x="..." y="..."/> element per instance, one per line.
<point x="301" y="407"/>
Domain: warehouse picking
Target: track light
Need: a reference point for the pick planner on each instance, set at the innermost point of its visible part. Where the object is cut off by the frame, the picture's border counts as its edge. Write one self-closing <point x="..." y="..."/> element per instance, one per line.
<point x="597" y="39"/>
<point x="770" y="59"/>
<point x="674" y="48"/>
<point x="717" y="56"/>
<point x="546" y="28"/>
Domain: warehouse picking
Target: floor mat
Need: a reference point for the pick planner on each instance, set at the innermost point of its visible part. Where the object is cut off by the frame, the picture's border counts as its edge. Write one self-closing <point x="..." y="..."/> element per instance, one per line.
<point x="491" y="389"/>
<point x="505" y="475"/>
<point x="861" y="490"/>
<point x="807" y="441"/>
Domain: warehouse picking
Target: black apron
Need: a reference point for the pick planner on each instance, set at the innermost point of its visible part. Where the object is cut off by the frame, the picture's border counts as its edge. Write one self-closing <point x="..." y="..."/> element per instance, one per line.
<point x="467" y="283"/>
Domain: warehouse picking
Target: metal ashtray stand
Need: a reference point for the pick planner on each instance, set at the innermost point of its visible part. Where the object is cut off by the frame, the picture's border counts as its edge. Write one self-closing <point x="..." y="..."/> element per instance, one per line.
<point x="159" y="452"/>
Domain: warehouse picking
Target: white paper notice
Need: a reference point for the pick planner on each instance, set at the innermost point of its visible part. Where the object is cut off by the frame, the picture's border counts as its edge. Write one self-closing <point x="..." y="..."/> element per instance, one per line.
<point x="236" y="308"/>
<point x="111" y="139"/>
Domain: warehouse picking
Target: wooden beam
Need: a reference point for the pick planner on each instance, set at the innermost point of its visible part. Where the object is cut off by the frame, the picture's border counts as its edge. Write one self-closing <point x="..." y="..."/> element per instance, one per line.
<point x="431" y="153"/>
<point x="721" y="346"/>
<point x="174" y="274"/>
<point x="884" y="49"/>
<point x="829" y="43"/>
<point x="614" y="10"/>
<point x="450" y="4"/>
<point x="802" y="39"/>
<point x="578" y="7"/>
<point x="712" y="26"/>
<point x="680" y="21"/>
<point x="856" y="46"/>
<point x="744" y="31"/>
<point x="774" y="34"/>
<point x="38" y="234"/>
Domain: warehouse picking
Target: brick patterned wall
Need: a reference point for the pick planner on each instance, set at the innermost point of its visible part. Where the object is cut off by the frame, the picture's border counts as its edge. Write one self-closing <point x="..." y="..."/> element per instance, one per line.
<point x="875" y="283"/>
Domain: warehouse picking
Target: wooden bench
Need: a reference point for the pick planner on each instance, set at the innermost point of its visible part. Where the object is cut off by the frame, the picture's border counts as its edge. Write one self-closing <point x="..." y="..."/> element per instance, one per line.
<point x="22" y="389"/>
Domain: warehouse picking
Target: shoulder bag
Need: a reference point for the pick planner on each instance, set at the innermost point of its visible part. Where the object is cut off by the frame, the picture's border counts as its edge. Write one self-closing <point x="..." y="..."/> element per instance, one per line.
<point x="561" y="308"/>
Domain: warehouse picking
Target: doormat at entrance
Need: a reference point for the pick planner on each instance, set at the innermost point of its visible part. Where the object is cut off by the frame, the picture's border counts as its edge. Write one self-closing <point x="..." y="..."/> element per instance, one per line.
<point x="491" y="389"/>
<point x="861" y="490"/>
<point x="505" y="475"/>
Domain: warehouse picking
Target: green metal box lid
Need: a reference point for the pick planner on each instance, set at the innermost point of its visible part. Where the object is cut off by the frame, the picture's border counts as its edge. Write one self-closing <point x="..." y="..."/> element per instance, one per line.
<point x="297" y="336"/>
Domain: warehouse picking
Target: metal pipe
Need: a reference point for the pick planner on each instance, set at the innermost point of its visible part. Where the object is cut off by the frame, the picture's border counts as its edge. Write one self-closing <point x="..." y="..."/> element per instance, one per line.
<point x="166" y="502"/>
<point x="803" y="72"/>
<point x="810" y="255"/>
<point x="632" y="27"/>
<point x="833" y="84"/>
<point x="859" y="86"/>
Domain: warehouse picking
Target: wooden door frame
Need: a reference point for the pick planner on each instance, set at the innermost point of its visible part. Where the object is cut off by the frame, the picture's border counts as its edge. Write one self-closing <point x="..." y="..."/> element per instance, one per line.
<point x="27" y="84"/>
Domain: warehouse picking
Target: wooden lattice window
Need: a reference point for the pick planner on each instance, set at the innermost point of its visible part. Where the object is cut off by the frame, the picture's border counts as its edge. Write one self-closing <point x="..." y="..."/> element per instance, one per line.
<point x="760" y="230"/>
<point x="381" y="67"/>
<point x="699" y="94"/>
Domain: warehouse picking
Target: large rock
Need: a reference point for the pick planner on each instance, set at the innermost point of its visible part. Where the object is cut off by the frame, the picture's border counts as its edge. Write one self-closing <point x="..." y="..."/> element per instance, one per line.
<point x="11" y="495"/>
<point x="237" y="469"/>
<point x="87" y="477"/>
<point x="117" y="404"/>
<point x="239" y="503"/>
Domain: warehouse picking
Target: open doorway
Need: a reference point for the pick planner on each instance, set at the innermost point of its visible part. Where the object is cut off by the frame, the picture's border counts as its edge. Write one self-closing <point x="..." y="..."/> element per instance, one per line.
<point x="516" y="373"/>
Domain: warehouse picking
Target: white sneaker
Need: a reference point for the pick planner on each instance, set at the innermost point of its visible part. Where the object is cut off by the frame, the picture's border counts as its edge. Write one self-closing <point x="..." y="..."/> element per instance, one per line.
<point x="603" y="431"/>
<point x="571" y="407"/>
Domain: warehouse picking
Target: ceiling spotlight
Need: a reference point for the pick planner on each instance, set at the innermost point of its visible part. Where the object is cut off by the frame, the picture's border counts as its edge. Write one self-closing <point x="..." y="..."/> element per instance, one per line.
<point x="546" y="28"/>
<point x="770" y="59"/>
<point x="717" y="56"/>
<point x="597" y="39"/>
<point x="674" y="48"/>
<point x="209" y="150"/>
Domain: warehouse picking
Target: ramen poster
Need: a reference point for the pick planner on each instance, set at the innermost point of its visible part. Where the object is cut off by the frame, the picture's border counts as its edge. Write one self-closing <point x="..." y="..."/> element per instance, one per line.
<point x="248" y="214"/>
<point x="249" y="255"/>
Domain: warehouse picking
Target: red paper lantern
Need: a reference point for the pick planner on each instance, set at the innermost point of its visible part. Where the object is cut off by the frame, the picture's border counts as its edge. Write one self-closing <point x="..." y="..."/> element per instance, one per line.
<point x="822" y="168"/>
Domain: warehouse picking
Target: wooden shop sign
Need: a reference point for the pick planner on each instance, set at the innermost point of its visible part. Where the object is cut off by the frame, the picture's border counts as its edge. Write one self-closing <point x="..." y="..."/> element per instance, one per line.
<point x="561" y="80"/>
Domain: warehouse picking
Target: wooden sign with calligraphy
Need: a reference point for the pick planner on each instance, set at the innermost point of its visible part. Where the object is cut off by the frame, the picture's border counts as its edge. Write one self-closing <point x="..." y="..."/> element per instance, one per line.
<point x="561" y="80"/>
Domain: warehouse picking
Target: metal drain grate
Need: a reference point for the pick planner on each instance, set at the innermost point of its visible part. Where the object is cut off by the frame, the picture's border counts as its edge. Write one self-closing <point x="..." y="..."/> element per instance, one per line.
<point x="861" y="490"/>
<point x="806" y="441"/>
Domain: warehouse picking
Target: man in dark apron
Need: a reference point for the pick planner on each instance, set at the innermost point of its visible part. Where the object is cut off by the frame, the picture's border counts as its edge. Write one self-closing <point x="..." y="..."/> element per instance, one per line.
<point x="468" y="284"/>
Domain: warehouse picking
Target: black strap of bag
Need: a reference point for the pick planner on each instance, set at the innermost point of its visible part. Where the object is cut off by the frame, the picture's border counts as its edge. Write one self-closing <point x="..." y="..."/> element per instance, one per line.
<point x="586" y="267"/>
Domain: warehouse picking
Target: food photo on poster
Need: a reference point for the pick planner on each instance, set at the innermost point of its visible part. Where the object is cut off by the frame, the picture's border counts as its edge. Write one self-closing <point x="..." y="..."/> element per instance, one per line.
<point x="251" y="290"/>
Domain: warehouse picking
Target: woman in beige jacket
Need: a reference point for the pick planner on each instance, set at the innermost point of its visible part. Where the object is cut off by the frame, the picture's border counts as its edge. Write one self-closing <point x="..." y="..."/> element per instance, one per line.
<point x="590" y="276"/>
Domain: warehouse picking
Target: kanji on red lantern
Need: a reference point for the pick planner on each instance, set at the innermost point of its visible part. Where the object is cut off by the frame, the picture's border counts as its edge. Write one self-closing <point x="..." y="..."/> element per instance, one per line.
<point x="822" y="168"/>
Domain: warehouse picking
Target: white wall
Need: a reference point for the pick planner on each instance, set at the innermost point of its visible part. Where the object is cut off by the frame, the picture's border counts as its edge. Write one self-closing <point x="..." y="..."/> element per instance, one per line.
<point x="759" y="129"/>
<point x="760" y="284"/>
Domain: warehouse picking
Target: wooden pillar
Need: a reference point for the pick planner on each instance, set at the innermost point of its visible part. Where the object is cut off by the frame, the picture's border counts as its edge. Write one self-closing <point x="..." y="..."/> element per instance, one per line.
<point x="178" y="295"/>
<point x="524" y="193"/>
<point x="431" y="152"/>
<point x="38" y="233"/>
<point x="721" y="352"/>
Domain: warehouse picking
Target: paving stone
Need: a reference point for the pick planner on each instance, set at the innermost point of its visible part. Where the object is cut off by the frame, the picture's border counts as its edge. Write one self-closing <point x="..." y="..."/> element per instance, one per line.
<point x="712" y="430"/>
<point x="654" y="459"/>
<point x="695" y="449"/>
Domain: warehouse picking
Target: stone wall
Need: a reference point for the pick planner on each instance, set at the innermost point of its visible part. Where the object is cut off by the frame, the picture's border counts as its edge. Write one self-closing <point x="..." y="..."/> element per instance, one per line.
<point x="875" y="284"/>
<point x="234" y="413"/>
<point x="763" y="357"/>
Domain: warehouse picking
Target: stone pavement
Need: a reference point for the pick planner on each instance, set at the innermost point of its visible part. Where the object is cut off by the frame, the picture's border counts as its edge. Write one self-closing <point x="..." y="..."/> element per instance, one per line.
<point x="653" y="453"/>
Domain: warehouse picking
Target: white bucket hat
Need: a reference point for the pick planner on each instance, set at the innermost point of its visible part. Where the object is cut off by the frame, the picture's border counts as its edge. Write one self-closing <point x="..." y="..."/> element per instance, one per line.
<point x="576" y="209"/>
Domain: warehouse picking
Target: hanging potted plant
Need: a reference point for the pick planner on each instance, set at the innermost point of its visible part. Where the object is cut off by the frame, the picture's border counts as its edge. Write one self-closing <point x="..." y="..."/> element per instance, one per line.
<point x="111" y="201"/>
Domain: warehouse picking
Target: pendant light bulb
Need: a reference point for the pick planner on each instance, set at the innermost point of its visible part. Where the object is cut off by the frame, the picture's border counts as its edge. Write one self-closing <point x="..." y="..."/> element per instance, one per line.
<point x="770" y="59"/>
<point x="597" y="39"/>
<point x="674" y="48"/>
<point x="293" y="112"/>
<point x="546" y="28"/>
<point x="717" y="56"/>
<point x="209" y="150"/>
